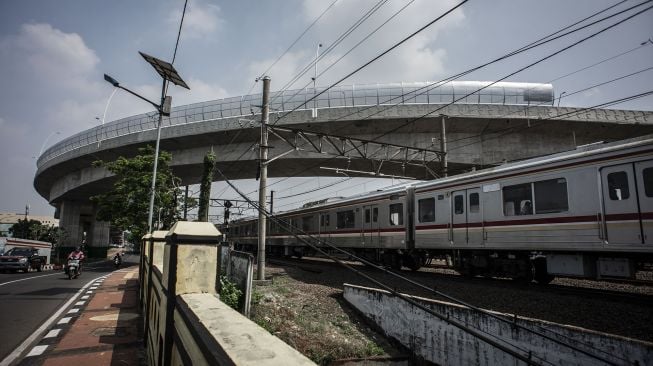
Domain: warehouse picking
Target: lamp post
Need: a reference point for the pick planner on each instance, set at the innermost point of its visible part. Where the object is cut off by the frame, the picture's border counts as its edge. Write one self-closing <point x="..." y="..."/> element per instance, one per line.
<point x="167" y="73"/>
<point x="317" y="55"/>
<point x="46" y="141"/>
<point x="104" y="116"/>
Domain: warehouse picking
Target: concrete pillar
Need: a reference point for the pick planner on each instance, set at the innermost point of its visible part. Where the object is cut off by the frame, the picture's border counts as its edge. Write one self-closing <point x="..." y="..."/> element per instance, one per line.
<point x="69" y="212"/>
<point x="189" y="266"/>
<point x="98" y="235"/>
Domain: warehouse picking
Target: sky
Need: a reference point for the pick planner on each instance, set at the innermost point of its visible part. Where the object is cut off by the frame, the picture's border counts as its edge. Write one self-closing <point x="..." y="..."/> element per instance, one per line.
<point x="53" y="55"/>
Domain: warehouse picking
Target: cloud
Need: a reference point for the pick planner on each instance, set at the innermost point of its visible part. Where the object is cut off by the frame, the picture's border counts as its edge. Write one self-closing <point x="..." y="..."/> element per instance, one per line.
<point x="416" y="60"/>
<point x="201" y="20"/>
<point x="51" y="55"/>
<point x="282" y="71"/>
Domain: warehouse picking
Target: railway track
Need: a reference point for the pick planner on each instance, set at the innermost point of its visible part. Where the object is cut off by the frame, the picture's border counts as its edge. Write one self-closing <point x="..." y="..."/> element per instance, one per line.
<point x="638" y="291"/>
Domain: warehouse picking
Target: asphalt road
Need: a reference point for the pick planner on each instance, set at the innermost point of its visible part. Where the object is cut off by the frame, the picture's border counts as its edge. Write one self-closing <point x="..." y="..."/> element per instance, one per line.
<point x="27" y="300"/>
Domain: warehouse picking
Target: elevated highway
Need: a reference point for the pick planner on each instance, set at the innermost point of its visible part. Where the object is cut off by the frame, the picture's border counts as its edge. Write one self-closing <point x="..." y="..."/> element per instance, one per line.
<point x="502" y="122"/>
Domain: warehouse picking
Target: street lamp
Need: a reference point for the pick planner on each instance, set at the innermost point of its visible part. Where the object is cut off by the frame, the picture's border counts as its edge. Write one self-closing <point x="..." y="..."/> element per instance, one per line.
<point x="46" y="141"/>
<point x="317" y="55"/>
<point x="167" y="73"/>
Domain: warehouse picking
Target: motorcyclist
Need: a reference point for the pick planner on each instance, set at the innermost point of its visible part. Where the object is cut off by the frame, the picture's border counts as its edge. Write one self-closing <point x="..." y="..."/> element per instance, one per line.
<point x="77" y="254"/>
<point x="117" y="258"/>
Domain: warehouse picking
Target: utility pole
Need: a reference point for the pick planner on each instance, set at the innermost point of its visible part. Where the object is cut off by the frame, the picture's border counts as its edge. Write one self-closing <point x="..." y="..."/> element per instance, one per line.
<point x="263" y="158"/>
<point x="443" y="144"/>
<point x="186" y="204"/>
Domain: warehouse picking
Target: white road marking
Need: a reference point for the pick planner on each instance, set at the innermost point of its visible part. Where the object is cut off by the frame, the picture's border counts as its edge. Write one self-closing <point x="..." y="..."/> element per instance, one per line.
<point x="65" y="320"/>
<point x="85" y="297"/>
<point x="80" y="303"/>
<point x="37" y="351"/>
<point x="73" y="311"/>
<point x="25" y="279"/>
<point x="89" y="292"/>
<point x="94" y="288"/>
<point x="39" y="332"/>
<point x="53" y="333"/>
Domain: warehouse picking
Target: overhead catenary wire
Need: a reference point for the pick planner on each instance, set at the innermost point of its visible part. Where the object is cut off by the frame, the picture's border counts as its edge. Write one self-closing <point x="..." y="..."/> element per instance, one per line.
<point x="534" y="43"/>
<point x="292" y="44"/>
<point x="331" y="47"/>
<point x="541" y="41"/>
<point x="568" y="94"/>
<point x="574" y="44"/>
<point x="352" y="48"/>
<point x="404" y="40"/>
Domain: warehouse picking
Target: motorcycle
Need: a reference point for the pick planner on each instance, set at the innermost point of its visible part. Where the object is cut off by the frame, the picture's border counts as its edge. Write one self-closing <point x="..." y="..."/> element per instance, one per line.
<point x="117" y="260"/>
<point x="73" y="268"/>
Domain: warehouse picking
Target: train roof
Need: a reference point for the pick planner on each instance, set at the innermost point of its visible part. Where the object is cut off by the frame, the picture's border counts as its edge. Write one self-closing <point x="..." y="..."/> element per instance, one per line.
<point x="581" y="152"/>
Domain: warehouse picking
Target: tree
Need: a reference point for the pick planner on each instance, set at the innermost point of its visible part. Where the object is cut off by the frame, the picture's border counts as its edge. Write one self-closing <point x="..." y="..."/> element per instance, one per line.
<point x="205" y="187"/>
<point x="126" y="206"/>
<point x="26" y="229"/>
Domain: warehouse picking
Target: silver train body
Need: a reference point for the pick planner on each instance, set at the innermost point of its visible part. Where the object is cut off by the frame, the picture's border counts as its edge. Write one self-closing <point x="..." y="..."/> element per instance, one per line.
<point x="583" y="213"/>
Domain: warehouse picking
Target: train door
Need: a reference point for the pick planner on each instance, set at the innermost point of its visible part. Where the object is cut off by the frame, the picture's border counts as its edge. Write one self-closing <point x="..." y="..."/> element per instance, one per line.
<point x="474" y="217"/>
<point x="371" y="229"/>
<point x="644" y="172"/>
<point x="467" y="217"/>
<point x="620" y="203"/>
<point x="323" y="227"/>
<point x="459" y="217"/>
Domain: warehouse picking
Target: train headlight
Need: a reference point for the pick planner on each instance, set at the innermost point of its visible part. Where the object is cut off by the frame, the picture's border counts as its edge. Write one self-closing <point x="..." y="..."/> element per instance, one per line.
<point x="22" y="260"/>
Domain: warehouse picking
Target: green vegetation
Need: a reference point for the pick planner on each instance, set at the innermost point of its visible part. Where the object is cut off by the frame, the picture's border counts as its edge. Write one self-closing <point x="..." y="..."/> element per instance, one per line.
<point x="205" y="188"/>
<point x="229" y="293"/>
<point x="126" y="205"/>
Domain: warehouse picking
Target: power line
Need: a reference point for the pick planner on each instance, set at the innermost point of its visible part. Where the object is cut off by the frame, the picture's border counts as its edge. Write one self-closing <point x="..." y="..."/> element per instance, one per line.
<point x="332" y="46"/>
<point x="292" y="44"/>
<point x="543" y="40"/>
<point x="380" y="55"/>
<point x="512" y="73"/>
<point x="355" y="46"/>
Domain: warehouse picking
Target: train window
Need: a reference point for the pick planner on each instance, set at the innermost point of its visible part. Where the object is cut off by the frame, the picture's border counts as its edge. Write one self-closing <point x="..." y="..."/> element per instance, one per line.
<point x="375" y="214"/>
<point x="345" y="219"/>
<point x="325" y="219"/>
<point x="308" y="223"/>
<point x="368" y="215"/>
<point x="517" y="200"/>
<point x="648" y="181"/>
<point x="474" y="203"/>
<point x="426" y="210"/>
<point x="397" y="214"/>
<point x="618" y="186"/>
<point x="551" y="196"/>
<point x="459" y="204"/>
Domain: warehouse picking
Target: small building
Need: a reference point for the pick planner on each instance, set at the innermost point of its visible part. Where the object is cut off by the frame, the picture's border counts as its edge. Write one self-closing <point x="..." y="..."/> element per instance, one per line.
<point x="7" y="220"/>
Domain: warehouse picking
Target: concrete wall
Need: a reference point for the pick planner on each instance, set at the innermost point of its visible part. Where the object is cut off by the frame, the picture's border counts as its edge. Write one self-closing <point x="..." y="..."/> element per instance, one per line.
<point x="438" y="341"/>
<point x="185" y="322"/>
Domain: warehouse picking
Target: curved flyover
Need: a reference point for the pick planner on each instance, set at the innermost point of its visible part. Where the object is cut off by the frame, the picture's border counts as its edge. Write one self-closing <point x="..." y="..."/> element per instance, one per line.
<point x="486" y="124"/>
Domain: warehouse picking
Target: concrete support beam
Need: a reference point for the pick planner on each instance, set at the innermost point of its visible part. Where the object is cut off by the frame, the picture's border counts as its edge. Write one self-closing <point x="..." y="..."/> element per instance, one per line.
<point x="70" y="212"/>
<point x="99" y="234"/>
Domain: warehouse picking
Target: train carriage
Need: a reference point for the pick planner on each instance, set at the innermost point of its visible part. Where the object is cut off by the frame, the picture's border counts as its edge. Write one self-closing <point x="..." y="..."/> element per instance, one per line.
<point x="584" y="213"/>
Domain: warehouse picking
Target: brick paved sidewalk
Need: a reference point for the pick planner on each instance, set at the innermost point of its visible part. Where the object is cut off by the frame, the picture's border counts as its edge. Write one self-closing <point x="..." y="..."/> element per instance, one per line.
<point x="102" y="328"/>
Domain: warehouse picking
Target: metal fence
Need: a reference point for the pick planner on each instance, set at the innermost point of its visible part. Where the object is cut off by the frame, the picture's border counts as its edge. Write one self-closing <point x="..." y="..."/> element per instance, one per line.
<point x="461" y="92"/>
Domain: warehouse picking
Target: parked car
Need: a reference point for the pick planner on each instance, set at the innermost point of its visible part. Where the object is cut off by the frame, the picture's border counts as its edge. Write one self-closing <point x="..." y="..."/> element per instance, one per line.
<point x="22" y="259"/>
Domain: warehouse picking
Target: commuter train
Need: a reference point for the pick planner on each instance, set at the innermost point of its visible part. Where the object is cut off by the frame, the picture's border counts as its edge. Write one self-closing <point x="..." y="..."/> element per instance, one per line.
<point x="582" y="213"/>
